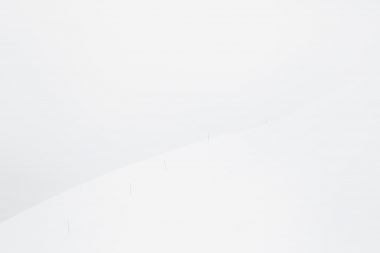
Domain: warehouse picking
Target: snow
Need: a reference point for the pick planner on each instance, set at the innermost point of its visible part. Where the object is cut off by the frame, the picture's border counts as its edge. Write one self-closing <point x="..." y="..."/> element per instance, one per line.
<point x="305" y="183"/>
<point x="87" y="86"/>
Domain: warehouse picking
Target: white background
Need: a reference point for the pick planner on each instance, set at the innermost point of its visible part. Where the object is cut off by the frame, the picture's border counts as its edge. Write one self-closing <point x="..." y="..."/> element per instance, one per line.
<point x="90" y="86"/>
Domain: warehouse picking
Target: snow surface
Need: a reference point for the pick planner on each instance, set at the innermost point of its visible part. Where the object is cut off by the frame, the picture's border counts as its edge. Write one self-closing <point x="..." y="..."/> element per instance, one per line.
<point x="306" y="183"/>
<point x="89" y="86"/>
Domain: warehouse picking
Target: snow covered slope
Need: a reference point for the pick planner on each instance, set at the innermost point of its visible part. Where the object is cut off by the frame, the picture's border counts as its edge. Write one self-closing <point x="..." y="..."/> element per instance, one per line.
<point x="307" y="183"/>
<point x="89" y="86"/>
